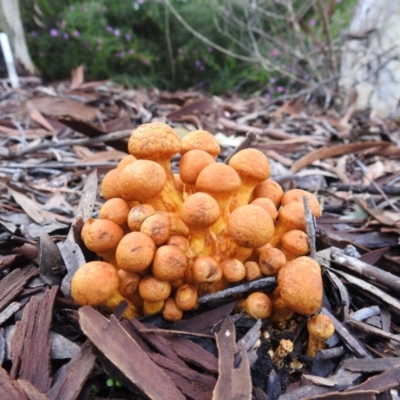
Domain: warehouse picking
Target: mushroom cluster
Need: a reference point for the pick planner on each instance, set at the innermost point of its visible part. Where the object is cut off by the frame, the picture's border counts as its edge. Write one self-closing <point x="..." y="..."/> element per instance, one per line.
<point x="165" y="239"/>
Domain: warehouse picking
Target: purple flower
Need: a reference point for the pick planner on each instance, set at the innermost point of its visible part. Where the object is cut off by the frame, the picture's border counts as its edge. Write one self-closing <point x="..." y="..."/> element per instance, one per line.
<point x="65" y="36"/>
<point x="267" y="97"/>
<point x="33" y="33"/>
<point x="131" y="51"/>
<point x="272" y="80"/>
<point x="279" y="89"/>
<point x="145" y="62"/>
<point x="53" y="32"/>
<point x="120" y="54"/>
<point x="210" y="49"/>
<point x="274" y="53"/>
<point x="128" y="37"/>
<point x="109" y="29"/>
<point x="117" y="32"/>
<point x="312" y="22"/>
<point x="76" y="33"/>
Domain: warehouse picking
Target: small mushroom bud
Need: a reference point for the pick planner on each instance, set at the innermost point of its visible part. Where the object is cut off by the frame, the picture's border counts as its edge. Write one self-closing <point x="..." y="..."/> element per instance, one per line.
<point x="294" y="243"/>
<point x="154" y="290"/>
<point x="271" y="260"/>
<point x="253" y="271"/>
<point x="258" y="305"/>
<point x="152" y="307"/>
<point x="233" y="270"/>
<point x="186" y="297"/>
<point x="171" y="312"/>
<point x="320" y="328"/>
<point x="179" y="241"/>
<point x="157" y="228"/>
<point x="115" y="210"/>
<point x="269" y="189"/>
<point x="135" y="252"/>
<point x="206" y="269"/>
<point x="138" y="214"/>
<point x="169" y="263"/>
<point x="109" y="185"/>
<point x="128" y="282"/>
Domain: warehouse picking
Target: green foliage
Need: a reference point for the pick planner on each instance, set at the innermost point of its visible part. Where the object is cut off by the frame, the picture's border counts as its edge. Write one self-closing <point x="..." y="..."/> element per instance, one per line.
<point x="139" y="42"/>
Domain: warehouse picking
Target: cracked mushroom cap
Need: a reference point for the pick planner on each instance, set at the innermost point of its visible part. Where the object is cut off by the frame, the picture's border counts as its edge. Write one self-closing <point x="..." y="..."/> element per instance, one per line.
<point x="94" y="283"/>
<point x="250" y="226"/>
<point x="251" y="164"/>
<point x="202" y="140"/>
<point x="141" y="180"/>
<point x="300" y="285"/>
<point x="154" y="141"/>
<point x="269" y="189"/>
<point x="199" y="211"/>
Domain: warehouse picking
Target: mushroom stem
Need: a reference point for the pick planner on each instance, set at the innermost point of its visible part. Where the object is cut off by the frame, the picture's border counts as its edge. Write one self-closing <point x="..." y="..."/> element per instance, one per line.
<point x="320" y="328"/>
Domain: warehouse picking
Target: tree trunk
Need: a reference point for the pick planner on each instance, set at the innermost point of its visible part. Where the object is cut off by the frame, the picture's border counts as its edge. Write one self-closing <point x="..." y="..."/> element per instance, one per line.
<point x="10" y="23"/>
<point x="370" y="63"/>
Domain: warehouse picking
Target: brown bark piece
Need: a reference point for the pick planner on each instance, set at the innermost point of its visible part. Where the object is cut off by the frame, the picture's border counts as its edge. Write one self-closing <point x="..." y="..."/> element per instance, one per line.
<point x="122" y="351"/>
<point x="13" y="284"/>
<point x="30" y="347"/>
<point x="232" y="384"/>
<point x="384" y="381"/>
<point x="19" y="389"/>
<point x="368" y="365"/>
<point x="356" y="395"/>
<point x="73" y="376"/>
<point x="193" y="384"/>
<point x="194" y="354"/>
<point x="160" y="343"/>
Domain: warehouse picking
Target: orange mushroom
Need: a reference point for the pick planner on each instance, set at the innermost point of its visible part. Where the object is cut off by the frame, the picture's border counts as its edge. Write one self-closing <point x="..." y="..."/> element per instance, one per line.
<point x="320" y="328"/>
<point x="135" y="252"/>
<point x="116" y="210"/>
<point x="271" y="260"/>
<point x="299" y="289"/>
<point x="158" y="142"/>
<point x="199" y="212"/>
<point x="202" y="140"/>
<point x="296" y="195"/>
<point x="258" y="305"/>
<point x="169" y="263"/>
<point x="253" y="167"/>
<point x="96" y="284"/>
<point x="109" y="185"/>
<point x="171" y="312"/>
<point x="271" y="190"/>
<point x="233" y="270"/>
<point x="268" y="205"/>
<point x="138" y="214"/>
<point x="153" y="290"/>
<point x="294" y="243"/>
<point x="186" y="297"/>
<point x="157" y="227"/>
<point x="219" y="181"/>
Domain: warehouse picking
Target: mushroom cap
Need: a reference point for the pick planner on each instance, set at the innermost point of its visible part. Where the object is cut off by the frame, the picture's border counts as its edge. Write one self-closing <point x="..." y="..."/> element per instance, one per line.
<point x="295" y="241"/>
<point x="300" y="285"/>
<point x="202" y="140"/>
<point x="157" y="227"/>
<point x="270" y="189"/>
<point x="101" y="235"/>
<point x="199" y="211"/>
<point x="125" y="161"/>
<point x="296" y="195"/>
<point x="291" y="216"/>
<point x="258" y="305"/>
<point x="171" y="312"/>
<point x="271" y="260"/>
<point x="218" y="178"/>
<point x="321" y="327"/>
<point x="154" y="141"/>
<point x="135" y="252"/>
<point x="250" y="226"/>
<point x="179" y="241"/>
<point x="115" y="210"/>
<point x="233" y="270"/>
<point x="138" y="214"/>
<point x="186" y="297"/>
<point x="191" y="164"/>
<point x="253" y="271"/>
<point x="94" y="283"/>
<point x="268" y="205"/>
<point x="153" y="289"/>
<point x="169" y="263"/>
<point x="109" y="185"/>
<point x="141" y="180"/>
<point x="251" y="165"/>
<point x="206" y="269"/>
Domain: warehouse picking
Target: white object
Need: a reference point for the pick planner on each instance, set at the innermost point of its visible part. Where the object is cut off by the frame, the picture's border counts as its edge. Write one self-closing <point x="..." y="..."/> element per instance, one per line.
<point x="9" y="60"/>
